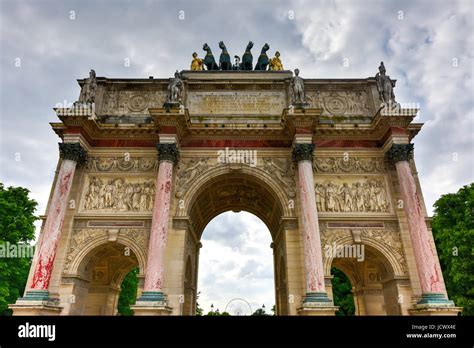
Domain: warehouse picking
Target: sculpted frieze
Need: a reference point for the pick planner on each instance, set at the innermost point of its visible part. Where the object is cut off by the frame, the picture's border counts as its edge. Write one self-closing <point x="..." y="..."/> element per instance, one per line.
<point x="348" y="164"/>
<point x="119" y="194"/>
<point x="340" y="103"/>
<point x="122" y="164"/>
<point x="352" y="196"/>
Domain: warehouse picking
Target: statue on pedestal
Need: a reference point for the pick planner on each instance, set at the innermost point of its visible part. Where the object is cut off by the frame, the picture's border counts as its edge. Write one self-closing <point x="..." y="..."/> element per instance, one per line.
<point x="197" y="63"/>
<point x="87" y="95"/>
<point x="298" y="91"/>
<point x="385" y="87"/>
<point x="175" y="91"/>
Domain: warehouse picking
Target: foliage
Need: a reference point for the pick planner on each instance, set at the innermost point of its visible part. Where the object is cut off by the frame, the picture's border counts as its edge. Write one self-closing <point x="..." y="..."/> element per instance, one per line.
<point x="342" y="292"/>
<point x="453" y="230"/>
<point x="217" y="313"/>
<point x="260" y="312"/>
<point x="199" y="310"/>
<point x="128" y="293"/>
<point x="17" y="228"/>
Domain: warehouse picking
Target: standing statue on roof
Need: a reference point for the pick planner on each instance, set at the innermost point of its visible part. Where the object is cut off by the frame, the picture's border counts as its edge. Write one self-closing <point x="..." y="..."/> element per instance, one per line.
<point x="87" y="95"/>
<point x="175" y="90"/>
<point x="385" y="87"/>
<point x="297" y="90"/>
<point x="197" y="63"/>
<point x="275" y="63"/>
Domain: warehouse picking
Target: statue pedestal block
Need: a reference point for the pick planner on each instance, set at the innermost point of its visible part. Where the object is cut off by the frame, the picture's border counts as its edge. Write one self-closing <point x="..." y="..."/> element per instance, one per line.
<point x="317" y="309"/>
<point x="434" y="310"/>
<point x="151" y="308"/>
<point x="35" y="308"/>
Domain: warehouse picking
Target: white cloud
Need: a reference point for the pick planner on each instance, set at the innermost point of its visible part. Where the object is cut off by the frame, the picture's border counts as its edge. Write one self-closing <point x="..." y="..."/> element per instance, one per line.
<point x="243" y="270"/>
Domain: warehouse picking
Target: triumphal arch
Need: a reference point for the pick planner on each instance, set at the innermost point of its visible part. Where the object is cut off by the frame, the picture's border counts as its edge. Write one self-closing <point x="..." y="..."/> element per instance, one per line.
<point x="146" y="163"/>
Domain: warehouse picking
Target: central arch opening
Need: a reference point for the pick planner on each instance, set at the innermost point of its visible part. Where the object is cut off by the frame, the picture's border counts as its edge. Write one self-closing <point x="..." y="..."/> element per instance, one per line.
<point x="236" y="266"/>
<point x="236" y="215"/>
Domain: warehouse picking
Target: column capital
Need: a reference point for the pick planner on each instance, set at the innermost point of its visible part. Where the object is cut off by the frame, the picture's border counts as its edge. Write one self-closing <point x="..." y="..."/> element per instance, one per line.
<point x="303" y="152"/>
<point x="168" y="152"/>
<point x="400" y="152"/>
<point x="74" y="152"/>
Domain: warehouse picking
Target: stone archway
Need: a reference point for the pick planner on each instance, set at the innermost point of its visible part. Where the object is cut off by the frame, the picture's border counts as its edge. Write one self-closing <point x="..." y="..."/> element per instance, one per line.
<point x="376" y="279"/>
<point x="103" y="270"/>
<point x="189" y="304"/>
<point x="96" y="263"/>
<point x="247" y="189"/>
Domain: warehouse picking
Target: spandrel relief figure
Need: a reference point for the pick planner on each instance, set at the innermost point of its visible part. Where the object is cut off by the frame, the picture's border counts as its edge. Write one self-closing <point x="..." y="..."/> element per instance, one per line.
<point x="284" y="172"/>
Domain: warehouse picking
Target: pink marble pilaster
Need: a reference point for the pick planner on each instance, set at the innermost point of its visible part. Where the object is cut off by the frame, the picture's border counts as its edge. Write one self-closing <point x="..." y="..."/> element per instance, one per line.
<point x="311" y="236"/>
<point x="159" y="228"/>
<point x="431" y="278"/>
<point x="72" y="154"/>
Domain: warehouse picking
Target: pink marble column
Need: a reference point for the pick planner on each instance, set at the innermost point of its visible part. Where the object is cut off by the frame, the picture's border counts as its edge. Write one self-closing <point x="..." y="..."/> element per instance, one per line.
<point x="313" y="258"/>
<point x="429" y="272"/>
<point x="153" y="288"/>
<point x="72" y="155"/>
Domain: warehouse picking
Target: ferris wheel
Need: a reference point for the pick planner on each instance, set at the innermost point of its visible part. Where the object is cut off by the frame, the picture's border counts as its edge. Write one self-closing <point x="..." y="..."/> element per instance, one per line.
<point x="238" y="307"/>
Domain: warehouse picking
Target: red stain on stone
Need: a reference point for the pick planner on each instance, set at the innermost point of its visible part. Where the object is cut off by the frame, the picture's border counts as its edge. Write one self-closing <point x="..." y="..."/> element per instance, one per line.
<point x="42" y="274"/>
<point x="168" y="187"/>
<point x="63" y="188"/>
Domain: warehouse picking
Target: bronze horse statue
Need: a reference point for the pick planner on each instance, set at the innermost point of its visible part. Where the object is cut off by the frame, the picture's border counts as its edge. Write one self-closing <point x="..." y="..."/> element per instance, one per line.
<point x="263" y="61"/>
<point x="247" y="59"/>
<point x="209" y="60"/>
<point x="224" y="59"/>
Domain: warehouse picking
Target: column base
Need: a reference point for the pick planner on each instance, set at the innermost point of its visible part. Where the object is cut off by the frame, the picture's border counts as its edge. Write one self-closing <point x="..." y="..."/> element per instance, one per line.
<point x="317" y="303"/>
<point x="152" y="303"/>
<point x="317" y="310"/>
<point x="36" y="302"/>
<point x="434" y="304"/>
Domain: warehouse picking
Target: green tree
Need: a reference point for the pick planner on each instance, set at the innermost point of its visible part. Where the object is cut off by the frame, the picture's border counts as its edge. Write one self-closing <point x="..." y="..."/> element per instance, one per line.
<point x="16" y="228"/>
<point x="217" y="313"/>
<point x="128" y="293"/>
<point x="342" y="292"/>
<point x="199" y="310"/>
<point x="260" y="312"/>
<point x="453" y="230"/>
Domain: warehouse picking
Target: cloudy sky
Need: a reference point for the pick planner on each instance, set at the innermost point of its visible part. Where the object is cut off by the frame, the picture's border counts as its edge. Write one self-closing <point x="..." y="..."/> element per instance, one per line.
<point x="46" y="45"/>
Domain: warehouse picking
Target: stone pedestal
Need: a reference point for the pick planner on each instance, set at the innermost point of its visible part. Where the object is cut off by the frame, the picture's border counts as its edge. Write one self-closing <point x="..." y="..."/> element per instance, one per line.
<point x="151" y="308"/>
<point x="317" y="309"/>
<point x="36" y="307"/>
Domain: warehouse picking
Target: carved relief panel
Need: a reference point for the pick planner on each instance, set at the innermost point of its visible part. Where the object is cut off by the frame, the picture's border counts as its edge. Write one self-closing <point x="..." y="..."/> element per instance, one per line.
<point x="132" y="102"/>
<point x="117" y="194"/>
<point x="352" y="194"/>
<point x="341" y="103"/>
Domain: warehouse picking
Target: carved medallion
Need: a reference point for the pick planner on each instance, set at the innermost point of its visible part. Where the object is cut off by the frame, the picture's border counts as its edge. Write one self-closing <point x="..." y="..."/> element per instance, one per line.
<point x="137" y="103"/>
